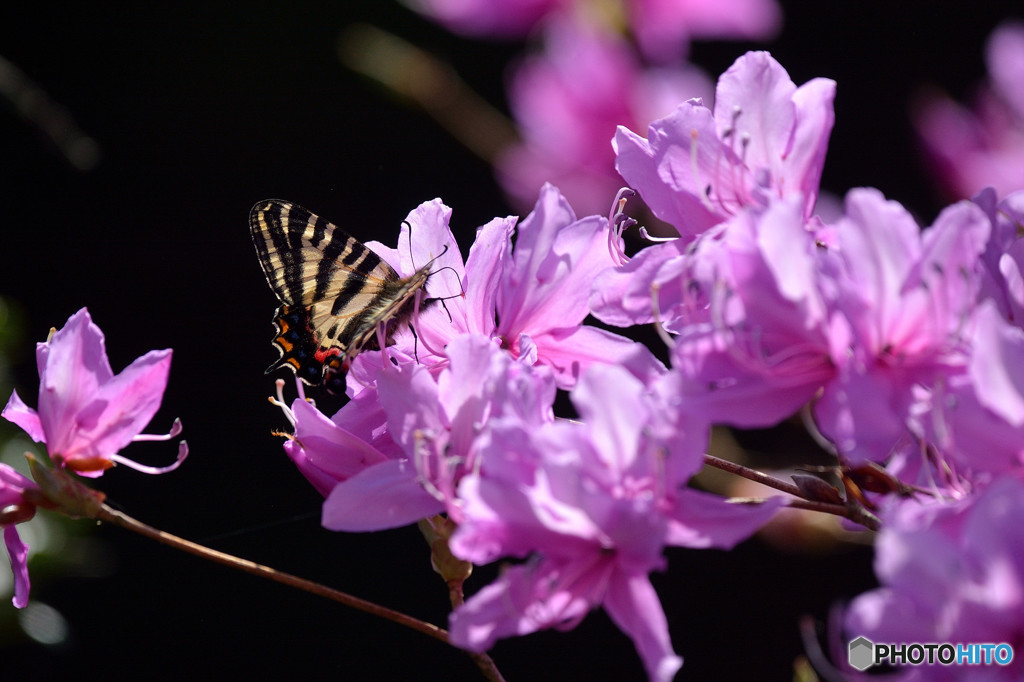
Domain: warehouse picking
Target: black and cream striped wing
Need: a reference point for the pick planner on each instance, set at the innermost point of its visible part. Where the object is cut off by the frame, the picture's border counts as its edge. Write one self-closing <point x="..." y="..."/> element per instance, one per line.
<point x="326" y="282"/>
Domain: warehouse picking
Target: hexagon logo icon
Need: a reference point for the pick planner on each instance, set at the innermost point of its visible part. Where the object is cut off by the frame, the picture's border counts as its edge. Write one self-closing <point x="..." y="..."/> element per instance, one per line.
<point x="862" y="653"/>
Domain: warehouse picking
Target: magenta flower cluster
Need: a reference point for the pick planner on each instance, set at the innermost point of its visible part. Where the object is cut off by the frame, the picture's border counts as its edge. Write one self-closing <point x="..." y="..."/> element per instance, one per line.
<point x="905" y="343"/>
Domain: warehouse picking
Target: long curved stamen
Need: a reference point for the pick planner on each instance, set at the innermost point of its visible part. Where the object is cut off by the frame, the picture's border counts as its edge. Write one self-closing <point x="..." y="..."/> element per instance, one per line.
<point x="175" y="430"/>
<point x="619" y="222"/>
<point x="651" y="238"/>
<point x="656" y="310"/>
<point x="279" y="401"/>
<point x="131" y="464"/>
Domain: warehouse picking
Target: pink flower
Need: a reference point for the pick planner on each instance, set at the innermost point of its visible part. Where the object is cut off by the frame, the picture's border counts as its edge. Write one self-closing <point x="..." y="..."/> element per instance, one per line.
<point x="753" y="317"/>
<point x="14" y="509"/>
<point x="950" y="572"/>
<point x="567" y="102"/>
<point x="328" y="451"/>
<point x="766" y="139"/>
<point x="532" y="299"/>
<point x="974" y="150"/>
<point x="593" y="503"/>
<point x="906" y="296"/>
<point x="87" y="414"/>
<point x="436" y="423"/>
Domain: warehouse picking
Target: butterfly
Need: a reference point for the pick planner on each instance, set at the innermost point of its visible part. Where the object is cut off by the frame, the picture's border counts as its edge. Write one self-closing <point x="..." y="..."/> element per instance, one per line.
<point x="334" y="292"/>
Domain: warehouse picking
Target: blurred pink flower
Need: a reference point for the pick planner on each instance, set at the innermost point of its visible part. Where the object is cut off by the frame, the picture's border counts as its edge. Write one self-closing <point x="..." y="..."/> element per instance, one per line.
<point x="663" y="28"/>
<point x="568" y="101"/>
<point x="985" y="147"/>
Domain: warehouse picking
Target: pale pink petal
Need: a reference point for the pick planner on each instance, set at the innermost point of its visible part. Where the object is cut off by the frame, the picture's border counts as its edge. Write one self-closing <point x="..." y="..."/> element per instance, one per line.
<point x="805" y="159"/>
<point x="754" y="111"/>
<point x="633" y="605"/>
<point x="664" y="27"/>
<point x="19" y="413"/>
<point x="860" y="414"/>
<point x="997" y="365"/>
<point x="610" y="400"/>
<point x="490" y="254"/>
<point x="702" y="520"/>
<point x="486" y="17"/>
<point x="570" y="352"/>
<point x="75" y="366"/>
<point x="522" y="600"/>
<point x="18" y="553"/>
<point x="673" y="167"/>
<point x="329" y="446"/>
<point x="387" y="495"/>
<point x="121" y="407"/>
<point x="622" y="296"/>
<point x="555" y="291"/>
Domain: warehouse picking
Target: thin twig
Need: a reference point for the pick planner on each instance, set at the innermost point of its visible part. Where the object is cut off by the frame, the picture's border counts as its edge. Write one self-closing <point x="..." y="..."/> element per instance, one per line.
<point x="125" y="521"/>
<point x="483" y="661"/>
<point x="851" y="510"/>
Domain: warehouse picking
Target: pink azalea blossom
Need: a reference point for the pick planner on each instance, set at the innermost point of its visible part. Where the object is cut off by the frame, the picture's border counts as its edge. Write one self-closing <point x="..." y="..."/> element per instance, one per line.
<point x="907" y="297"/>
<point x="436" y="423"/>
<point x="532" y="299"/>
<point x="328" y="450"/>
<point x="755" y="327"/>
<point x="975" y="149"/>
<point x="14" y="509"/>
<point x="978" y="419"/>
<point x="766" y="139"/>
<point x="593" y="503"/>
<point x="86" y="413"/>
<point x="567" y="102"/>
<point x="950" y="572"/>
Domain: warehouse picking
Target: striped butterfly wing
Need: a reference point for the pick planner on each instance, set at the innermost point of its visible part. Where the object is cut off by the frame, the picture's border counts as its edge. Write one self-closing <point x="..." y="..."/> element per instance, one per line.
<point x="334" y="291"/>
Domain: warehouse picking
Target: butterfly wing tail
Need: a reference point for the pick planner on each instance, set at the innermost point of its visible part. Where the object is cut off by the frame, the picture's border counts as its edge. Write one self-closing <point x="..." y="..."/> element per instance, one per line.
<point x="294" y="340"/>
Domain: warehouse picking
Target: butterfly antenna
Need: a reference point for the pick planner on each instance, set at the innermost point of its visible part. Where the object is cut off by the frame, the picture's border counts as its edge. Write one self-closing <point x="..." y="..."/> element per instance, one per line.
<point x="415" y="343"/>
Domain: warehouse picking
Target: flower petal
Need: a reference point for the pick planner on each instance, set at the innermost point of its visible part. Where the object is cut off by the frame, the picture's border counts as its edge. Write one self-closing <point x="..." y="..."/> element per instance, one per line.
<point x="18" y="553"/>
<point x="634" y="606"/>
<point x="387" y="495"/>
<point x="703" y="520"/>
<point x="120" y="408"/>
<point x="24" y="416"/>
<point x="72" y="366"/>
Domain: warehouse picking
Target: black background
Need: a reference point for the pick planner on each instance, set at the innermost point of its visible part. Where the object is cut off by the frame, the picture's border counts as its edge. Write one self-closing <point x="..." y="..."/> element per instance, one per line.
<point x="201" y="110"/>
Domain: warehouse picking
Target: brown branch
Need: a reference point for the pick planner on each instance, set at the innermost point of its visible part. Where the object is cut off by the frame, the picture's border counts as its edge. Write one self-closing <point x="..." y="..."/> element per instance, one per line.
<point x="123" y="520"/>
<point x="851" y="510"/>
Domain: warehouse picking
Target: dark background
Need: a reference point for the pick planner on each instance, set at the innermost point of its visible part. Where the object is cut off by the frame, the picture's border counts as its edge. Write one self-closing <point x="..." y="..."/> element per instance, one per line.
<point x="202" y="109"/>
